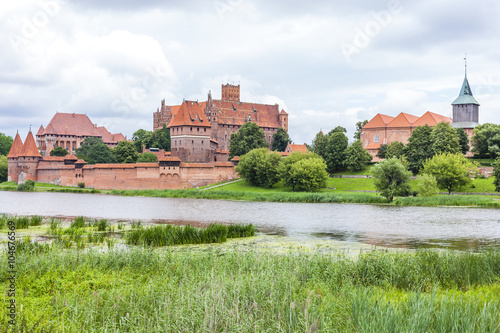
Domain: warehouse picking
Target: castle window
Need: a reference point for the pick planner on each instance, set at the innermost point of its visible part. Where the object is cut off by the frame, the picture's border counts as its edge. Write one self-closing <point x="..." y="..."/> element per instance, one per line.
<point x="192" y="142"/>
<point x="205" y="129"/>
<point x="201" y="141"/>
<point x="197" y="129"/>
<point x="375" y="138"/>
<point x="191" y="129"/>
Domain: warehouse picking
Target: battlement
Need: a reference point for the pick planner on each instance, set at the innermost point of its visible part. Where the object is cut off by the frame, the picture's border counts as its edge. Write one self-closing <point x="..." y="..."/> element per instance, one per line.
<point x="230" y="93"/>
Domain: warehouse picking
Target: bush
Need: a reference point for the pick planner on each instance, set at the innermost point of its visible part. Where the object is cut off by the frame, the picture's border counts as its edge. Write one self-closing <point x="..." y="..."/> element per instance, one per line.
<point x="81" y="185"/>
<point x="391" y="178"/>
<point x="260" y="167"/>
<point x="29" y="185"/>
<point x="427" y="185"/>
<point x="307" y="171"/>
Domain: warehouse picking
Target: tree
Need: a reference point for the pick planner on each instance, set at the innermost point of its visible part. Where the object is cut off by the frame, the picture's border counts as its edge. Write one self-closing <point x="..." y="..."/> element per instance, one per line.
<point x="138" y="138"/>
<point x="319" y="144"/>
<point x="335" y="151"/>
<point x="248" y="137"/>
<point x="147" y="157"/>
<point x="280" y="140"/>
<point x="486" y="140"/>
<point x="338" y="129"/>
<point x="4" y="169"/>
<point x="395" y="149"/>
<point x="427" y="185"/>
<point x="444" y="139"/>
<point x="5" y="144"/>
<point x="161" y="138"/>
<point x="391" y="178"/>
<point x="86" y="146"/>
<point x="359" y="129"/>
<point x="260" y="167"/>
<point x="451" y="171"/>
<point x="496" y="174"/>
<point x="308" y="176"/>
<point x="124" y="150"/>
<point x="58" y="151"/>
<point x="356" y="157"/>
<point x="382" y="151"/>
<point x="463" y="140"/>
<point x="100" y="153"/>
<point x="418" y="149"/>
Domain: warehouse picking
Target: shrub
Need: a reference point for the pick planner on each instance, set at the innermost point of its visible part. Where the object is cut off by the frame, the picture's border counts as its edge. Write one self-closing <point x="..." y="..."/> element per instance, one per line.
<point x="81" y="185"/>
<point x="29" y="185"/>
<point x="427" y="185"/>
<point x="260" y="167"/>
<point x="391" y="178"/>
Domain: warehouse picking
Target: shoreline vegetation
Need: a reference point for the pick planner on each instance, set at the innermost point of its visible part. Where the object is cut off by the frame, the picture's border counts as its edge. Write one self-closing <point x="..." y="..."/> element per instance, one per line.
<point x="339" y="190"/>
<point x="78" y="280"/>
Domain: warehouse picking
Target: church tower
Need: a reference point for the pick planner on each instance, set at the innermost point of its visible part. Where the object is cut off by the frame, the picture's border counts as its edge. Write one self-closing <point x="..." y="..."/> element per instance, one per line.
<point x="465" y="107"/>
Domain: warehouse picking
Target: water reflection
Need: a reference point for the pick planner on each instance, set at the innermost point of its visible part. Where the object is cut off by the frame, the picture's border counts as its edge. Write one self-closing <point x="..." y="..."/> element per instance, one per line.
<point x="408" y="227"/>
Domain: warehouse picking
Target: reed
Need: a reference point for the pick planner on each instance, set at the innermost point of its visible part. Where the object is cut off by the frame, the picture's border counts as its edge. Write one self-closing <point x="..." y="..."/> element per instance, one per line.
<point x="36" y="220"/>
<point x="22" y="222"/>
<point x="78" y="222"/>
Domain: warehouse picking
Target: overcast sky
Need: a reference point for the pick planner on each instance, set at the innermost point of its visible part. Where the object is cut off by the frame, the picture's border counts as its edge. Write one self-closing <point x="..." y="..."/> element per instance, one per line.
<point x="327" y="63"/>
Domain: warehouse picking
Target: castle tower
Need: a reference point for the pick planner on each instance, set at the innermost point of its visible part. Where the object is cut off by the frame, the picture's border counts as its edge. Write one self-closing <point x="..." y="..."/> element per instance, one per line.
<point x="283" y="120"/>
<point x="230" y="93"/>
<point x="27" y="161"/>
<point x="190" y="133"/>
<point x="465" y="107"/>
<point x="15" y="150"/>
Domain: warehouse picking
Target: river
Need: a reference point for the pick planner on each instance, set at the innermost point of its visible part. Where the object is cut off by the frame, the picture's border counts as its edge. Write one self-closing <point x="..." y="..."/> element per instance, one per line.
<point x="408" y="227"/>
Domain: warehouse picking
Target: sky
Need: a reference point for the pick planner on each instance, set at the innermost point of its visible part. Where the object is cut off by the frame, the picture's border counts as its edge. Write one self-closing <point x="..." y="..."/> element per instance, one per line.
<point x="327" y="63"/>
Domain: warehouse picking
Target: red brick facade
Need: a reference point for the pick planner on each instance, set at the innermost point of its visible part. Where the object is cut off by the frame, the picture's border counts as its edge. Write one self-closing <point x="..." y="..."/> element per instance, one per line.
<point x="224" y="118"/>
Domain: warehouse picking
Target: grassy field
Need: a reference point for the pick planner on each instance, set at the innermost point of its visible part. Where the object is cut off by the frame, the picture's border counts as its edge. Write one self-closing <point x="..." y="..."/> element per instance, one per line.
<point x="214" y="289"/>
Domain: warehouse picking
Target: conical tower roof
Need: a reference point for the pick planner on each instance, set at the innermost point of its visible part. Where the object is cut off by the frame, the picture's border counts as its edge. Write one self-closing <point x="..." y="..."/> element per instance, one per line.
<point x="465" y="96"/>
<point x="29" y="148"/>
<point x="16" y="148"/>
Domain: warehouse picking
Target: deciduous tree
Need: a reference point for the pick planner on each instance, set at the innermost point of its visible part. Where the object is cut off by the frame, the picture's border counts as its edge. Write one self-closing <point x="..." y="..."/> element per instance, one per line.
<point x="444" y="139"/>
<point x="356" y="156"/>
<point x="260" y="167"/>
<point x="336" y="151"/>
<point x="391" y="178"/>
<point x="3" y="168"/>
<point x="280" y="140"/>
<point x="308" y="176"/>
<point x="395" y="149"/>
<point x="486" y="140"/>
<point x="248" y="137"/>
<point x="382" y="151"/>
<point x="5" y="144"/>
<point x="319" y="144"/>
<point x="463" y="140"/>
<point x="496" y="174"/>
<point x="58" y="151"/>
<point x="427" y="185"/>
<point x="419" y="148"/>
<point x="451" y="171"/>
<point x="359" y="129"/>
<point x="100" y="153"/>
<point x="86" y="146"/>
<point x="125" y="152"/>
<point x="147" y="157"/>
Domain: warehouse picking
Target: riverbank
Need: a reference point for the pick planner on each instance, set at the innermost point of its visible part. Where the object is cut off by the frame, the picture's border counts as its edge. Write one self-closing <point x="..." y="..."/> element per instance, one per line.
<point x="228" y="287"/>
<point x="339" y="190"/>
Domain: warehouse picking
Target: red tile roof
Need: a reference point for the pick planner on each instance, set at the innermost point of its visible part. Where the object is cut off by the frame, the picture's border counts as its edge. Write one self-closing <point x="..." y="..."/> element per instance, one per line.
<point x="373" y="146"/>
<point x="223" y="164"/>
<point x="16" y="147"/>
<point x="190" y="113"/>
<point x="29" y="148"/>
<point x="237" y="113"/>
<point x="53" y="158"/>
<point x="71" y="157"/>
<point x="78" y="125"/>
<point x="403" y="120"/>
<point x="380" y="120"/>
<point x="292" y="148"/>
<point x="169" y="159"/>
<point x="431" y="119"/>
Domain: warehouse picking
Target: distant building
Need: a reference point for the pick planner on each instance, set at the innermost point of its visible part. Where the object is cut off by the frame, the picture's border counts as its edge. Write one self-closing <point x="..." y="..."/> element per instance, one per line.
<point x="384" y="129"/>
<point x="68" y="130"/>
<point x="200" y="131"/>
<point x="290" y="148"/>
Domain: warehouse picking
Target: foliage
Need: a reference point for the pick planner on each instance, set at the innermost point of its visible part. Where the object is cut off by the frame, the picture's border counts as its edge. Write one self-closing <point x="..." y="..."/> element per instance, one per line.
<point x="463" y="140"/>
<point x="496" y="174"/>
<point x="28" y="185"/>
<point x="260" y="167"/>
<point x="5" y="144"/>
<point x="280" y="140"/>
<point x="81" y="185"/>
<point x="160" y="139"/>
<point x="248" y="137"/>
<point x="338" y="129"/>
<point x="87" y="145"/>
<point x="147" y="157"/>
<point x="427" y="185"/>
<point x="419" y="148"/>
<point x="486" y="140"/>
<point x="356" y="156"/>
<point x="359" y="129"/>
<point x="335" y="151"/>
<point x="58" y="151"/>
<point x="100" y="153"/>
<point x="445" y="139"/>
<point x="382" y="151"/>
<point x="395" y="149"/>
<point x="4" y="168"/>
<point x="303" y="171"/>
<point x="139" y="137"/>
<point x="319" y="144"/>
<point x="391" y="178"/>
<point x="125" y="152"/>
<point x="451" y="171"/>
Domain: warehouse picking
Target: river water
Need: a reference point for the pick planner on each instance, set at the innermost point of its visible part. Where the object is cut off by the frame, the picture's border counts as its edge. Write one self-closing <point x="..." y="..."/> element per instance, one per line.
<point x="409" y="227"/>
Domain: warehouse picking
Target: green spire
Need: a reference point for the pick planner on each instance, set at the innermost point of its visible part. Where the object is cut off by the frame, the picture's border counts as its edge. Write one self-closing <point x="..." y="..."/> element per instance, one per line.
<point x="465" y="96"/>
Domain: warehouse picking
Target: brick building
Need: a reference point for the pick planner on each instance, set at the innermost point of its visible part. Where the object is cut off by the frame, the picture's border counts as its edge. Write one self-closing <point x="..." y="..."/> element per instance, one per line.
<point x="384" y="129"/>
<point x="68" y="130"/>
<point x="213" y="122"/>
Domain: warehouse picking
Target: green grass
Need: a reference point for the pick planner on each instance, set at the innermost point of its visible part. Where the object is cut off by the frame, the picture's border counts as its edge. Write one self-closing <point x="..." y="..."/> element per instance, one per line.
<point x="141" y="290"/>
